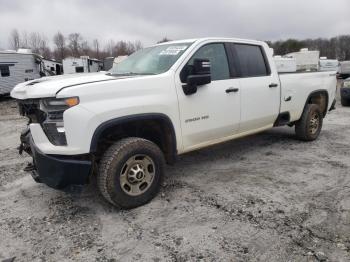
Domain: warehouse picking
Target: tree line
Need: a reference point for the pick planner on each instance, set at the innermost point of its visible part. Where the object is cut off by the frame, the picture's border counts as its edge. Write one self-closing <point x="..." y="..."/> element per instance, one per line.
<point x="72" y="44"/>
<point x="75" y="45"/>
<point x="332" y="48"/>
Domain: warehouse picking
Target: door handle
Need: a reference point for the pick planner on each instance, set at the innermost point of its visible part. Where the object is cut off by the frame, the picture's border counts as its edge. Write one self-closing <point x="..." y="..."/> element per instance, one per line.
<point x="231" y="89"/>
<point x="273" y="85"/>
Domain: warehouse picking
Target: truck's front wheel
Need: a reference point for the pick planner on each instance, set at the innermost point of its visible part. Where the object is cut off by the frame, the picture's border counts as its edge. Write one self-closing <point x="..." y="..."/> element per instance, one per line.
<point x="130" y="172"/>
<point x="309" y="126"/>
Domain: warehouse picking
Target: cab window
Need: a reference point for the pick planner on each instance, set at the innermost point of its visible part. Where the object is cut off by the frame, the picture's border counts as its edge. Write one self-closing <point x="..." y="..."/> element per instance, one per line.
<point x="252" y="61"/>
<point x="218" y="59"/>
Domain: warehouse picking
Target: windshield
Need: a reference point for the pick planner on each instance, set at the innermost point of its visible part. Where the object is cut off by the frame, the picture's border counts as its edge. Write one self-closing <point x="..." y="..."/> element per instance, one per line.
<point x="150" y="61"/>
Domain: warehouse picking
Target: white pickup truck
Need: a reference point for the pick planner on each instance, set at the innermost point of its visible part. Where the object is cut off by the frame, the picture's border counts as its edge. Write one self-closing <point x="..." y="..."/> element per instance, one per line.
<point x="162" y="101"/>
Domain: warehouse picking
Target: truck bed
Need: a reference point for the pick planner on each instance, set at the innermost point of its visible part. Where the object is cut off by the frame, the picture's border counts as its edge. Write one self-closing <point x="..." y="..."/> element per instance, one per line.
<point x="298" y="86"/>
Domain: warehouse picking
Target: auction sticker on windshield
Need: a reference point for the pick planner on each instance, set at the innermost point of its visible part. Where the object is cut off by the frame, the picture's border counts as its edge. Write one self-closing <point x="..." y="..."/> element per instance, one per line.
<point x="173" y="50"/>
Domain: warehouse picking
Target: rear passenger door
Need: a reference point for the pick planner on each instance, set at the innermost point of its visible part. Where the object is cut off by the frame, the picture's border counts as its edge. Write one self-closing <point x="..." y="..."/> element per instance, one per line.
<point x="260" y="91"/>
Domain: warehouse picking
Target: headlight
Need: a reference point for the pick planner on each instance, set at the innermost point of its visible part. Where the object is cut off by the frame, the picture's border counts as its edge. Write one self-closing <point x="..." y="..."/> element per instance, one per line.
<point x="60" y="103"/>
<point x="346" y="84"/>
<point x="53" y="125"/>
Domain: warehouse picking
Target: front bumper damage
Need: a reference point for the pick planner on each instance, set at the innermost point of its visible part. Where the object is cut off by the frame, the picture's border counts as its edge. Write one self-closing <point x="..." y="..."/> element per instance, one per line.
<point x="56" y="171"/>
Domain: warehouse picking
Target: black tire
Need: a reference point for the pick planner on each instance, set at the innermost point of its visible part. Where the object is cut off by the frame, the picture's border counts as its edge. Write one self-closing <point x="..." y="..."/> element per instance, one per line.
<point x="305" y="128"/>
<point x="345" y="102"/>
<point x="114" y="167"/>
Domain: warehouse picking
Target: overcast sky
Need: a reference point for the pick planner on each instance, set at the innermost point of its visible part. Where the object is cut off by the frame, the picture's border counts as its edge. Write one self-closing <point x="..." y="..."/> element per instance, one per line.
<point x="151" y="20"/>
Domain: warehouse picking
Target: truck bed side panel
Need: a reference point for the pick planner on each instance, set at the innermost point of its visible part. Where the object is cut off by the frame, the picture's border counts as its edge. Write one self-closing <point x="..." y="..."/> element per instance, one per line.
<point x="298" y="87"/>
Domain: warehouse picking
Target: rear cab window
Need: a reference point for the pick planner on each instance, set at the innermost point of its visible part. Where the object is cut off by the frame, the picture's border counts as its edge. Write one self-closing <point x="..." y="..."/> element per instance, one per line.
<point x="251" y="60"/>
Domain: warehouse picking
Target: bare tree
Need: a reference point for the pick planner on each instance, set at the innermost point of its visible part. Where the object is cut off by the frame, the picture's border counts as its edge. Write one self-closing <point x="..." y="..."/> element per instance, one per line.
<point x="165" y="39"/>
<point x="60" y="43"/>
<point x="14" y="40"/>
<point x="109" y="48"/>
<point x="138" y="45"/>
<point x="85" y="48"/>
<point x="96" y="46"/>
<point x="44" y="49"/>
<point x="35" y="42"/>
<point x="24" y="43"/>
<point x="75" y="42"/>
<point x="121" y="48"/>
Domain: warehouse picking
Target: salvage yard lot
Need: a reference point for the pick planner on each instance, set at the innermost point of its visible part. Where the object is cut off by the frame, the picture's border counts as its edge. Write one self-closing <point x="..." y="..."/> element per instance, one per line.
<point x="266" y="197"/>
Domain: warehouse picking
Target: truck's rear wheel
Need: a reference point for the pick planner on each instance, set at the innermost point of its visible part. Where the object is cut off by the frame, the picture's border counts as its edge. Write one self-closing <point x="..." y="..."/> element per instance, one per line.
<point x="130" y="172"/>
<point x="309" y="126"/>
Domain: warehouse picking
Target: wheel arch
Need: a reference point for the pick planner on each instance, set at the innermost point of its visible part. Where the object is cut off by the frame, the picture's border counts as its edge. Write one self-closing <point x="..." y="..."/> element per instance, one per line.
<point x="315" y="97"/>
<point x="156" y="127"/>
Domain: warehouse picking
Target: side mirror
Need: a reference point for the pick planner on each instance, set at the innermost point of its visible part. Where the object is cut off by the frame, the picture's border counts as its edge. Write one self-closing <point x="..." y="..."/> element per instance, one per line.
<point x="200" y="76"/>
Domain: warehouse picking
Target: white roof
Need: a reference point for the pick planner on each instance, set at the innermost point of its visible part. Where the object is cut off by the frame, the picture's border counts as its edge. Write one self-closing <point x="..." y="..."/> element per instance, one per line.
<point x="211" y="39"/>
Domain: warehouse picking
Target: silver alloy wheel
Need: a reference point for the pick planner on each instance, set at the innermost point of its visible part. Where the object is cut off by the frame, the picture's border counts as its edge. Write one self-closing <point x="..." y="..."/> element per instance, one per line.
<point x="314" y="123"/>
<point x="137" y="175"/>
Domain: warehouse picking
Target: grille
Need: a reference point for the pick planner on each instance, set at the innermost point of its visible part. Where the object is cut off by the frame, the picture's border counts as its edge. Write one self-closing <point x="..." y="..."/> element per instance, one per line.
<point x="31" y="109"/>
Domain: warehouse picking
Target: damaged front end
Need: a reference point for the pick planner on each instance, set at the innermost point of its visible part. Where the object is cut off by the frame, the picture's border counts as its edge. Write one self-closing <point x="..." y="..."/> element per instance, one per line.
<point x="56" y="171"/>
<point x="31" y="110"/>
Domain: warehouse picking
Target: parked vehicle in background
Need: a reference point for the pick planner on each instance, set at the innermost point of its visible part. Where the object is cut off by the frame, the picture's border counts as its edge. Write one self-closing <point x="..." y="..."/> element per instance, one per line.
<point x="285" y="64"/>
<point x="20" y="66"/>
<point x="83" y="64"/>
<point x="306" y="60"/>
<point x="160" y="102"/>
<point x="328" y="64"/>
<point x="345" y="92"/>
<point x="344" y="70"/>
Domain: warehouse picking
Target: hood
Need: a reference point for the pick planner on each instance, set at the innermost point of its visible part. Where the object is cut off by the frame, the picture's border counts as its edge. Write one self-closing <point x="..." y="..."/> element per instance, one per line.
<point x="50" y="86"/>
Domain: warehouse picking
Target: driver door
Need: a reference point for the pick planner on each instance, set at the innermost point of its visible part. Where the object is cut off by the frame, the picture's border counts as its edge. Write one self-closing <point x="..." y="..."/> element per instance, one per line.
<point x="212" y="114"/>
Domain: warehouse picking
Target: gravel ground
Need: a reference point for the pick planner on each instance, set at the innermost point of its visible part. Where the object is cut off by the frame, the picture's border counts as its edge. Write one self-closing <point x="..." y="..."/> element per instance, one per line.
<point x="267" y="197"/>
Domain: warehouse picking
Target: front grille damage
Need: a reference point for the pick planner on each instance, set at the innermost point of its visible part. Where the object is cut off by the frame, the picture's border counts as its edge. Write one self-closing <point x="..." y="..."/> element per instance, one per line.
<point x="48" y="120"/>
<point x="31" y="109"/>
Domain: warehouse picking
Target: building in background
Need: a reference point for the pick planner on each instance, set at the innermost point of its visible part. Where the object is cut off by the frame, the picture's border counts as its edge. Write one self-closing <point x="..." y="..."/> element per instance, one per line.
<point x="83" y="64"/>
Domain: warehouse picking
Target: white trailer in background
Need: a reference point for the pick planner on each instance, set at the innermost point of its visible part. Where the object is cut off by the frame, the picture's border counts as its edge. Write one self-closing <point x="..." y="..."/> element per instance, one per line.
<point x="52" y="67"/>
<point x="83" y="64"/>
<point x="285" y="64"/>
<point x="306" y="60"/>
<point x="17" y="67"/>
<point x="23" y="65"/>
<point x="328" y="64"/>
<point x="344" y="69"/>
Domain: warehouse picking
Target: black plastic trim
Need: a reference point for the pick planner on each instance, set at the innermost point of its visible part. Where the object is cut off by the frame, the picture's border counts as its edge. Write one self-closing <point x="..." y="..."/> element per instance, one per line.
<point x="131" y="118"/>
<point x="315" y="92"/>
<point x="59" y="171"/>
<point x="282" y="119"/>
